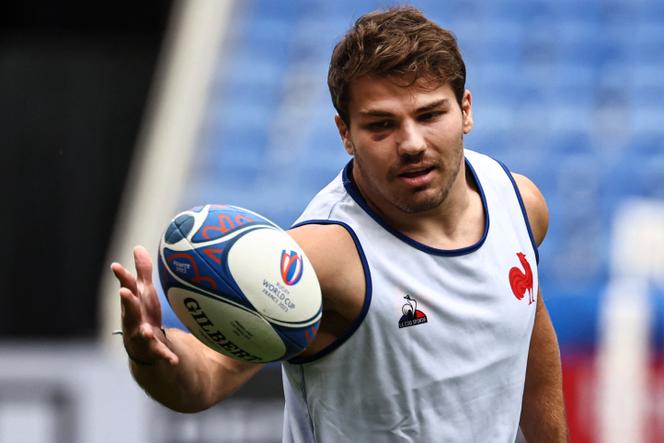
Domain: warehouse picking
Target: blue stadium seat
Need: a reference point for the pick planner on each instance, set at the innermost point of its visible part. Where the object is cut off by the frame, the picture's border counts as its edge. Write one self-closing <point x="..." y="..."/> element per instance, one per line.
<point x="567" y="92"/>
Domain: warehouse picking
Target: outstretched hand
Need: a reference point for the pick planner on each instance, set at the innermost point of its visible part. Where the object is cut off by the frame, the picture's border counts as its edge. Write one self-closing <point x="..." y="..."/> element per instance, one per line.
<point x="144" y="339"/>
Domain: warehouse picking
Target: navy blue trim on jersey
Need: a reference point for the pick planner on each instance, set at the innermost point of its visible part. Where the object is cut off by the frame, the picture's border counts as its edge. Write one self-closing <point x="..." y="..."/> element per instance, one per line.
<point x="367" y="293"/>
<point x="523" y="209"/>
<point x="352" y="190"/>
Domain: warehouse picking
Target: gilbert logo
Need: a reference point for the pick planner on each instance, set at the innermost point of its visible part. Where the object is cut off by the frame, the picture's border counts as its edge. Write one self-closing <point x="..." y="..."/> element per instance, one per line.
<point x="291" y="267"/>
<point x="411" y="315"/>
<point x="522" y="281"/>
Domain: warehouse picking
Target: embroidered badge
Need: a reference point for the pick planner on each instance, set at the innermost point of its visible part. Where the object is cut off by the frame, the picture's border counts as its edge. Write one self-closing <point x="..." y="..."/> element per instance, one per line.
<point x="411" y="315"/>
<point x="522" y="281"/>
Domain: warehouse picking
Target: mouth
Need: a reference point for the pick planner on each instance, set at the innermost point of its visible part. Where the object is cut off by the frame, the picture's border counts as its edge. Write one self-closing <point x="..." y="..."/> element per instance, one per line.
<point x="417" y="176"/>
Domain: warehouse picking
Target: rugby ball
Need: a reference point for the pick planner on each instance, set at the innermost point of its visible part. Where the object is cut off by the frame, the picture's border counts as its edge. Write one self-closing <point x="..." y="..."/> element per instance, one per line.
<point x="239" y="283"/>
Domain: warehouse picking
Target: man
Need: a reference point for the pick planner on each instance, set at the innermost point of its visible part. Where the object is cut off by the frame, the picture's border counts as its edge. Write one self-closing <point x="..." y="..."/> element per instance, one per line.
<point x="433" y="328"/>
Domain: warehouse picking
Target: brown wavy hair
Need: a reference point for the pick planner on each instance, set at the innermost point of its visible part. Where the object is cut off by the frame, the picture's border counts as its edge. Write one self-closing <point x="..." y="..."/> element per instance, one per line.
<point x="401" y="43"/>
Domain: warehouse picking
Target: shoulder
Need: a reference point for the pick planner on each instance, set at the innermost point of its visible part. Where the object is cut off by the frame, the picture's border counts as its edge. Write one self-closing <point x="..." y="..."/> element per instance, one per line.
<point x="325" y="244"/>
<point x="334" y="255"/>
<point x="335" y="258"/>
<point x="536" y="207"/>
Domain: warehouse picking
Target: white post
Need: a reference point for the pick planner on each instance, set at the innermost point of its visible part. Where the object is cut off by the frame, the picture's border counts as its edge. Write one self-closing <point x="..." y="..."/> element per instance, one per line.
<point x="167" y="142"/>
<point x="622" y="362"/>
<point x="637" y="258"/>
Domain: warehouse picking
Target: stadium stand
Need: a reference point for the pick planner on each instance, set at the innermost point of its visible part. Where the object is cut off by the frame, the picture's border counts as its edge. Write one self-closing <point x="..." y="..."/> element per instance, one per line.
<point x="566" y="92"/>
<point x="572" y="84"/>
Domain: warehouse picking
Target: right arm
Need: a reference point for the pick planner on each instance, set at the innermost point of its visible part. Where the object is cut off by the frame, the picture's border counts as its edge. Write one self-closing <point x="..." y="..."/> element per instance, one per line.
<point x="184" y="374"/>
<point x="176" y="369"/>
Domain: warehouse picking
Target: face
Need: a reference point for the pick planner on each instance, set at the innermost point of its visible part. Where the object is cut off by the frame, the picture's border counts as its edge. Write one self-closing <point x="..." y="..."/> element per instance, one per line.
<point x="407" y="142"/>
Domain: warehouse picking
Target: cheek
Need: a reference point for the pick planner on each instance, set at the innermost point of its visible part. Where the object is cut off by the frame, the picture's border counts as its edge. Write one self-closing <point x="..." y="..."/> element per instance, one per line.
<point x="373" y="163"/>
<point x="375" y="154"/>
<point x="448" y="137"/>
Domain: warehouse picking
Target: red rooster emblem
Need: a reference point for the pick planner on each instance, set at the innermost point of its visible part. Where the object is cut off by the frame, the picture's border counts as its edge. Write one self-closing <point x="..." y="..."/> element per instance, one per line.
<point x="521" y="281"/>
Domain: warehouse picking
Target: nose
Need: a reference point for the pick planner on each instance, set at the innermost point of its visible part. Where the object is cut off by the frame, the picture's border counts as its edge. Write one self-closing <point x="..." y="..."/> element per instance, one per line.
<point x="410" y="139"/>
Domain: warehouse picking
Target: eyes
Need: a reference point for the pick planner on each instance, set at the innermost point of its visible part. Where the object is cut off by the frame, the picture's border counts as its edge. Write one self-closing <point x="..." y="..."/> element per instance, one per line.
<point x="385" y="124"/>
<point x="429" y="116"/>
<point x="380" y="125"/>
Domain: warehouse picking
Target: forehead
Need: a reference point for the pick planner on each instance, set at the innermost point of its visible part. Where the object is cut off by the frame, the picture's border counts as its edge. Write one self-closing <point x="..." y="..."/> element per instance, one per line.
<point x="389" y="94"/>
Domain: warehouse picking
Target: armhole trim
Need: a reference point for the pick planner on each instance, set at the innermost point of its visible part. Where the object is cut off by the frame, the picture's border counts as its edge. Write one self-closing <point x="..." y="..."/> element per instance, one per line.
<point x="367" y="294"/>
<point x="523" y="209"/>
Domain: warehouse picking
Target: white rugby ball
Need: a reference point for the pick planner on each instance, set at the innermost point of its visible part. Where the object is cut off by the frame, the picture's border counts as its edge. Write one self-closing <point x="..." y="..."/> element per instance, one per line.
<point x="239" y="283"/>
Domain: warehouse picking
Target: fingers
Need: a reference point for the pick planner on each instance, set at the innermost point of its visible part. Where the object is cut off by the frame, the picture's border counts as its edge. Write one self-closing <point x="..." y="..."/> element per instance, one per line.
<point x="141" y="311"/>
<point x="126" y="279"/>
<point x="143" y="265"/>
<point x="142" y="289"/>
<point x="149" y="299"/>
<point x="130" y="298"/>
<point x="146" y="346"/>
<point x="131" y="311"/>
<point x="158" y="345"/>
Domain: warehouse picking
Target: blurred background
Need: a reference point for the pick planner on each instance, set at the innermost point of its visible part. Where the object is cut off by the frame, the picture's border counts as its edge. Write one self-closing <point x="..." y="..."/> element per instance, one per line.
<point x="114" y="117"/>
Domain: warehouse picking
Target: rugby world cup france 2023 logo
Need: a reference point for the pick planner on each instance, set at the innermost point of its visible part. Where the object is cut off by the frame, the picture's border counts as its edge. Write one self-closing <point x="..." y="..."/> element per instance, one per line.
<point x="291" y="267"/>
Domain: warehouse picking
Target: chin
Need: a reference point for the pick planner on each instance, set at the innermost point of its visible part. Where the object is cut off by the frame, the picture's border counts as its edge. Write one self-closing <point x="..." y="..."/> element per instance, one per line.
<point x="417" y="204"/>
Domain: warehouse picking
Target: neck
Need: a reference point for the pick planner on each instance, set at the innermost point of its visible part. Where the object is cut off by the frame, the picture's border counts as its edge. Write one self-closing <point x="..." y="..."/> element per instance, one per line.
<point x="458" y="221"/>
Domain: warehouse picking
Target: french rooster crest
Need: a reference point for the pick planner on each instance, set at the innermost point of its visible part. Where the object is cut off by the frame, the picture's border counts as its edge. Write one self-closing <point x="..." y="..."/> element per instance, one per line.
<point x="522" y="281"/>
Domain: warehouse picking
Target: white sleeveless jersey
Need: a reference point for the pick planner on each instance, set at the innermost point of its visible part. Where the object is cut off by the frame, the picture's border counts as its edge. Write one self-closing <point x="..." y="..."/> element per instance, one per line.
<point x="439" y="351"/>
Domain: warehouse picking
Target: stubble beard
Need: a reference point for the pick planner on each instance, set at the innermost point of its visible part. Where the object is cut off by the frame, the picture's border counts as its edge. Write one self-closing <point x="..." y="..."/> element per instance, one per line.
<point x="414" y="204"/>
<point x="411" y="202"/>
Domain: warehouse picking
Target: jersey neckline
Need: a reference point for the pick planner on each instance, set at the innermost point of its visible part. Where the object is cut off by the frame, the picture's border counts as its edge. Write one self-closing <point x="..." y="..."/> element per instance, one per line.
<point x="351" y="188"/>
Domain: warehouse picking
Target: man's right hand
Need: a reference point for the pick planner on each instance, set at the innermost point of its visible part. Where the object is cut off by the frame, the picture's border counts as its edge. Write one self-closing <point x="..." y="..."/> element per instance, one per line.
<point x="144" y="338"/>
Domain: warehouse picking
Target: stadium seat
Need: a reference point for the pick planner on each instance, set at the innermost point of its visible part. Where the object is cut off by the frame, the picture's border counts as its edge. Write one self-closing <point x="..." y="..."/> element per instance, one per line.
<point x="567" y="92"/>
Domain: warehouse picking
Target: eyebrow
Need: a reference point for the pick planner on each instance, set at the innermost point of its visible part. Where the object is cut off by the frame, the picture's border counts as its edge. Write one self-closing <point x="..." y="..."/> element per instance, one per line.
<point x="428" y="107"/>
<point x="435" y="105"/>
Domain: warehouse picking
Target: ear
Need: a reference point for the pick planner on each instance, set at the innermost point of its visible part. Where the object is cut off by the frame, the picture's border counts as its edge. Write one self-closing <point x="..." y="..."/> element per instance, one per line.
<point x="344" y="133"/>
<point x="467" y="111"/>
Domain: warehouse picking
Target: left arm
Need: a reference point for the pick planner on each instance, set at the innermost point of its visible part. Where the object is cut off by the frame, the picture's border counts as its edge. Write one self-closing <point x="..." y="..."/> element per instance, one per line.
<point x="543" y="410"/>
